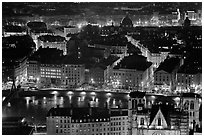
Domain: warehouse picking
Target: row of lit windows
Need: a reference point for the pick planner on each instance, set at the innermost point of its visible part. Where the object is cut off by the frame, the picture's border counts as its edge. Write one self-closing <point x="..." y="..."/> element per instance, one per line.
<point x="80" y="132"/>
<point x="119" y="118"/>
<point x="52" y="70"/>
<point x="50" y="73"/>
<point x="48" y="76"/>
<point x="71" y="74"/>
<point x="117" y="123"/>
<point x="71" y="66"/>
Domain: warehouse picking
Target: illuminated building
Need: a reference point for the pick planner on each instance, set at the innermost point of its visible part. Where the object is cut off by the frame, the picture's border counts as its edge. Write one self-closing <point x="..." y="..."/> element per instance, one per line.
<point x="78" y="121"/>
<point x="71" y="30"/>
<point x="86" y="121"/>
<point x="13" y="30"/>
<point x="119" y="122"/>
<point x="132" y="72"/>
<point x="32" y="26"/>
<point x="152" y="55"/>
<point x="97" y="75"/>
<point x="188" y="79"/>
<point x="50" y="75"/>
<point x="27" y="70"/>
<point x="191" y="15"/>
<point x="176" y="16"/>
<point x="161" y="119"/>
<point x="191" y="103"/>
<point x="36" y="29"/>
<point x="108" y="30"/>
<point x="165" y="74"/>
<point x="73" y="74"/>
<point x="51" y="41"/>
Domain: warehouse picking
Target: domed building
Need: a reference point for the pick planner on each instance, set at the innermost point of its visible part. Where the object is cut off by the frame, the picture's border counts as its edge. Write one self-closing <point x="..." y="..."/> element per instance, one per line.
<point x="126" y="23"/>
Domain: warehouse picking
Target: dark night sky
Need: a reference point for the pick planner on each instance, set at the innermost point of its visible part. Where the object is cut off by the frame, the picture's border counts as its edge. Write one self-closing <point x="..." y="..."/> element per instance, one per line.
<point x="101" y="8"/>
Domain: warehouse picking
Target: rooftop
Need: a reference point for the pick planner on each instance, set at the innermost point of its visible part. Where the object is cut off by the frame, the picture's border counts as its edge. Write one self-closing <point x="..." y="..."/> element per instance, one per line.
<point x="119" y="112"/>
<point x="135" y="61"/>
<point x="191" y="95"/>
<point x="137" y="94"/>
<point x="34" y="25"/>
<point x="165" y="109"/>
<point x="13" y="29"/>
<point x="169" y="65"/>
<point x="79" y="113"/>
<point x="51" y="38"/>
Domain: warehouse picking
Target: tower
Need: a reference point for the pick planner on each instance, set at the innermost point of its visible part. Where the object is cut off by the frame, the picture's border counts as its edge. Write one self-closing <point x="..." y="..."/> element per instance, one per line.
<point x="136" y="103"/>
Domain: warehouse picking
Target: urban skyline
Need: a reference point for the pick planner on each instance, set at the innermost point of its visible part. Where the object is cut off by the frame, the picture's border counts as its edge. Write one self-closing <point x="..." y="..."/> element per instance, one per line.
<point x="102" y="68"/>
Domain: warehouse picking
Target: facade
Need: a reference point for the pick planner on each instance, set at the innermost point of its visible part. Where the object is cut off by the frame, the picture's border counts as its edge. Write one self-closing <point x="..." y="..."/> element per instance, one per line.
<point x="189" y="79"/>
<point x="191" y="103"/>
<point x="50" y="75"/>
<point x="51" y="41"/>
<point x="73" y="75"/>
<point x="113" y="49"/>
<point x="27" y="70"/>
<point x="97" y="75"/>
<point x="165" y="74"/>
<point x="71" y="30"/>
<point x="12" y="31"/>
<point x="86" y="121"/>
<point x="159" y="119"/>
<point x="132" y="75"/>
<point x="119" y="122"/>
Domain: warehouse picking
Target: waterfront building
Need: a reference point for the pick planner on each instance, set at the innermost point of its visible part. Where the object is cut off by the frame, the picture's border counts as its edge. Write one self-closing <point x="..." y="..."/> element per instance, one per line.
<point x="189" y="79"/>
<point x="51" y="41"/>
<point x="97" y="75"/>
<point x="27" y="70"/>
<point x="165" y="74"/>
<point x="50" y="75"/>
<point x="132" y="72"/>
<point x="73" y="74"/>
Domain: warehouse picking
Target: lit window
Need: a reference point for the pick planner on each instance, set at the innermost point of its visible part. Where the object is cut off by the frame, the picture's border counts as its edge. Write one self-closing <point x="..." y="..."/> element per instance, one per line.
<point x="192" y="105"/>
<point x="159" y="121"/>
<point x="142" y="121"/>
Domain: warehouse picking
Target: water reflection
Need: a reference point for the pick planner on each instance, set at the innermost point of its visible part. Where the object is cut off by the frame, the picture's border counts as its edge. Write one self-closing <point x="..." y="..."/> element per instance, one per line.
<point x="41" y="104"/>
<point x="55" y="92"/>
<point x="33" y="99"/>
<point x="27" y="100"/>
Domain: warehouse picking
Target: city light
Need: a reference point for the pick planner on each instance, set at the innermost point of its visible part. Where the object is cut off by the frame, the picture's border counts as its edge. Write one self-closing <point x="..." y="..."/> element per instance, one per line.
<point x="55" y="92"/>
<point x="130" y="68"/>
